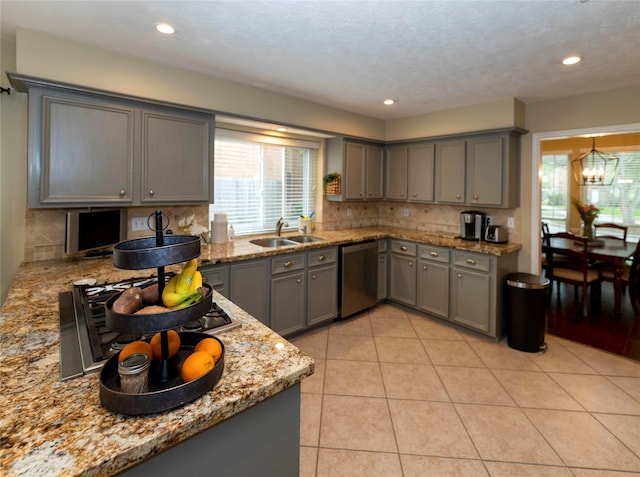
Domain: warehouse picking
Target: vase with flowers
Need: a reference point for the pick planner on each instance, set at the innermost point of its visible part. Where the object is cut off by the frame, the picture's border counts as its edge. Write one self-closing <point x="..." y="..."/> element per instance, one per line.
<point x="588" y="213"/>
<point x="189" y="225"/>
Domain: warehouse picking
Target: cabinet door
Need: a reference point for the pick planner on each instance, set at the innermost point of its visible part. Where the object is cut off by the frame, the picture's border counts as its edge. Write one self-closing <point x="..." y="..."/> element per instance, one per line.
<point x="288" y="303"/>
<point x="218" y="277"/>
<point x="484" y="171"/>
<point x="396" y="169"/>
<point x="176" y="156"/>
<point x="374" y="171"/>
<point x="354" y="170"/>
<point x="402" y="279"/>
<point x="470" y="299"/>
<point x="450" y="172"/>
<point x="421" y="172"/>
<point x="322" y="294"/>
<point x="382" y="276"/>
<point x="433" y="288"/>
<point x="248" y="288"/>
<point x="86" y="149"/>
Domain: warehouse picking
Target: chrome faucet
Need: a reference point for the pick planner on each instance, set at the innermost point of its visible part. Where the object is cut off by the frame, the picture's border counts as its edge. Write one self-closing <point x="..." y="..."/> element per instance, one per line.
<point x="279" y="226"/>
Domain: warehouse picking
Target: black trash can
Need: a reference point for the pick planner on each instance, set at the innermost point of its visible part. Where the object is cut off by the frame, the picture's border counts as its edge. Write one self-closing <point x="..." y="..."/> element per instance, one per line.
<point x="526" y="307"/>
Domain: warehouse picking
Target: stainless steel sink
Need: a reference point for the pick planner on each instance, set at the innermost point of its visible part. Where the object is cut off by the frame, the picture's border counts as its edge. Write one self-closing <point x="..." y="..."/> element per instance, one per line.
<point x="272" y="242"/>
<point x="305" y="238"/>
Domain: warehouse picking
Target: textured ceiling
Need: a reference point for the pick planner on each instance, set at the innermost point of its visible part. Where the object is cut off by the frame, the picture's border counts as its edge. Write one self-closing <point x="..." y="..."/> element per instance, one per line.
<point x="428" y="55"/>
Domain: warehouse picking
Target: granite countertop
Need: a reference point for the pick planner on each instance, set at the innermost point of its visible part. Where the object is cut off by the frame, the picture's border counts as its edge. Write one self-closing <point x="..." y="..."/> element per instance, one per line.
<point x="241" y="249"/>
<point x="49" y="427"/>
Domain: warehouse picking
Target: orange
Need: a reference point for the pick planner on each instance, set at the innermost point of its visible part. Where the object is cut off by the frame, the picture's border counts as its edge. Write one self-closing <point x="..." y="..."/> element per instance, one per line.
<point x="211" y="346"/>
<point x="135" y="347"/>
<point x="197" y="364"/>
<point x="174" y="344"/>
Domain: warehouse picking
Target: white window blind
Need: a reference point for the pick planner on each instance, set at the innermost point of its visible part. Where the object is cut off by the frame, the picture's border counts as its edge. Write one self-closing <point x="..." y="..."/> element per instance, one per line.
<point x="259" y="179"/>
<point x="555" y="191"/>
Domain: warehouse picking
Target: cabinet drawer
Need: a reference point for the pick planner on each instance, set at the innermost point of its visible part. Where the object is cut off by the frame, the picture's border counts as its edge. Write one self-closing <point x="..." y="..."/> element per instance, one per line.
<point x="403" y="247"/>
<point x="287" y="263"/>
<point x="323" y="256"/>
<point x="472" y="260"/>
<point x="215" y="275"/>
<point x="436" y="254"/>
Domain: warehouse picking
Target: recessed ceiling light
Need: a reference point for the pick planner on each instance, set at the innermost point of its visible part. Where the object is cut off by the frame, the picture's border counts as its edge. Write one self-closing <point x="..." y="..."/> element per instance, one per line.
<point x="281" y="129"/>
<point x="388" y="101"/>
<point x="165" y="28"/>
<point x="571" y="60"/>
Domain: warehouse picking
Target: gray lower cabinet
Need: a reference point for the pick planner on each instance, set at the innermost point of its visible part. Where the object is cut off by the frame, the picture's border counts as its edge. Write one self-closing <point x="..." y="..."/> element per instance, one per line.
<point x="218" y="277"/>
<point x="94" y="149"/>
<point x="433" y="280"/>
<point x="383" y="270"/>
<point x="402" y="272"/>
<point x="288" y="293"/>
<point x="322" y="285"/>
<point x="248" y="287"/>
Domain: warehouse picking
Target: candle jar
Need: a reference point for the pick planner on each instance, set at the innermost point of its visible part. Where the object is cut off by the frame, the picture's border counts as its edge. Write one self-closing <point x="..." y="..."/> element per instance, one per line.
<point x="134" y="373"/>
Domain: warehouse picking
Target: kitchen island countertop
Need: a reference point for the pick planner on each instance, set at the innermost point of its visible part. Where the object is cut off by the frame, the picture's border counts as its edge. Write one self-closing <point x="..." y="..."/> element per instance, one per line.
<point x="49" y="427"/>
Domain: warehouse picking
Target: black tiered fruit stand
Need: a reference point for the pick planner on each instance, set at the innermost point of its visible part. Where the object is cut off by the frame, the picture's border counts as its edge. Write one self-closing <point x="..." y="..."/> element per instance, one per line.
<point x="166" y="390"/>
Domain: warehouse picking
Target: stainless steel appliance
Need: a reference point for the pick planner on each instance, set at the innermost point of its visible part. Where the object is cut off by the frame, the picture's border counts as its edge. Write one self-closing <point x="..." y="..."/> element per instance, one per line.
<point x="472" y="225"/>
<point x="496" y="234"/>
<point x="85" y="341"/>
<point x="358" y="268"/>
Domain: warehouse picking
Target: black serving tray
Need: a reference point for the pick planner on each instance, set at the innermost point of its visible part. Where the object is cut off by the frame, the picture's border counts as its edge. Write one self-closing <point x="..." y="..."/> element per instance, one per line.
<point x="168" y="320"/>
<point x="161" y="396"/>
<point x="144" y="253"/>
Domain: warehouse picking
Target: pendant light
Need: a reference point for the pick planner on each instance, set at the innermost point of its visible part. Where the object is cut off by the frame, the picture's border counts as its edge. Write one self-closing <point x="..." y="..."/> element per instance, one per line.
<point x="595" y="168"/>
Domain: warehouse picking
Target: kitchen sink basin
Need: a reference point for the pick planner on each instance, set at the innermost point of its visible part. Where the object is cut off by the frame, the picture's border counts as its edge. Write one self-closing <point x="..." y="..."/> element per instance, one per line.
<point x="305" y="238"/>
<point x="272" y="242"/>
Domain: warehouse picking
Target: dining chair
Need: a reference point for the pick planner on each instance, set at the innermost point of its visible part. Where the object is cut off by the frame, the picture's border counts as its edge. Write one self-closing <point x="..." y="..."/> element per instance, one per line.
<point x="612" y="231"/>
<point x="630" y="278"/>
<point x="574" y="268"/>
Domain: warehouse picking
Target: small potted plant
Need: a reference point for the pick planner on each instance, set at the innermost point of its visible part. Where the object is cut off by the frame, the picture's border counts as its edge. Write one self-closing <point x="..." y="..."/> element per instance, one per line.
<point x="331" y="183"/>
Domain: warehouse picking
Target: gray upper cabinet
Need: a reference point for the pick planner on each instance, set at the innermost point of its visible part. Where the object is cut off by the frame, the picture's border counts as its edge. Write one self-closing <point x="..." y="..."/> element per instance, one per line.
<point x="421" y="161"/>
<point x="396" y="173"/>
<point x="361" y="167"/>
<point x="94" y="149"/>
<point x="450" y="157"/>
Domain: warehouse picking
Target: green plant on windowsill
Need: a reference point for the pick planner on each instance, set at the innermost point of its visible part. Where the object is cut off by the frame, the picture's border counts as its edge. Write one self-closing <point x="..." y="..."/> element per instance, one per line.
<point x="330" y="178"/>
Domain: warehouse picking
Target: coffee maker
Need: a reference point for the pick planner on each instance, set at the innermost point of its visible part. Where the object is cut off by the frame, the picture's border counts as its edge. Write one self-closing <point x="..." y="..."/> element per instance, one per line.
<point x="472" y="225"/>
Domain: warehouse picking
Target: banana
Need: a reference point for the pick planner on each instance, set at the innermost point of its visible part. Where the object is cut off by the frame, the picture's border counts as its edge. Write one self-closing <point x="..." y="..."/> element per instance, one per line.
<point x="186" y="276"/>
<point x="170" y="297"/>
<point x="196" y="282"/>
<point x="190" y="299"/>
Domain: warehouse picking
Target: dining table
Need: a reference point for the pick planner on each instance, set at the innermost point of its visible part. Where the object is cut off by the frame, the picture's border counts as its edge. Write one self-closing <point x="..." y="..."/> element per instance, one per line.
<point x="605" y="251"/>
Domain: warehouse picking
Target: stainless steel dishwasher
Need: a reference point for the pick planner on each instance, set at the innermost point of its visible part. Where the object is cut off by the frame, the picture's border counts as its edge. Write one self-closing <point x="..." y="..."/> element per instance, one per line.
<point x="358" y="268"/>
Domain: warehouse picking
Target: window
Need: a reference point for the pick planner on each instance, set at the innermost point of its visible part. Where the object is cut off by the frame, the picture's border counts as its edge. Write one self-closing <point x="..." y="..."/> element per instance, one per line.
<point x="620" y="203"/>
<point x="259" y="179"/>
<point x="555" y="191"/>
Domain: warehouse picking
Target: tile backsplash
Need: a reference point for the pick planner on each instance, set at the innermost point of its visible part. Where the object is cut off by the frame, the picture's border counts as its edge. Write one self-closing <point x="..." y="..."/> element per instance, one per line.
<point x="45" y="228"/>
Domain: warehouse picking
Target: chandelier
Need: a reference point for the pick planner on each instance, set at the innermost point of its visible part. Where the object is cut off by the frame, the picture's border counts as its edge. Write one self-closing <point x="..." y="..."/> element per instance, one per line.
<point x="595" y="168"/>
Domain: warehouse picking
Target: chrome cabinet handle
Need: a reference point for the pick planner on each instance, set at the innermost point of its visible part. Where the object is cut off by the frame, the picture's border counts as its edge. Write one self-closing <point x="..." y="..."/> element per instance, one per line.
<point x="475" y="196"/>
<point x="298" y="281"/>
<point x="434" y="254"/>
<point x="122" y="192"/>
<point x="415" y="195"/>
<point x="288" y="264"/>
<point x="321" y="258"/>
<point x="361" y="194"/>
<point x="458" y="196"/>
<point x="401" y="194"/>
<point x="459" y="276"/>
<point x="313" y="277"/>
<point x="471" y="261"/>
<point x="152" y="192"/>
<point x="382" y="259"/>
<point x="411" y="264"/>
<point x="424" y="267"/>
<point x="403" y="248"/>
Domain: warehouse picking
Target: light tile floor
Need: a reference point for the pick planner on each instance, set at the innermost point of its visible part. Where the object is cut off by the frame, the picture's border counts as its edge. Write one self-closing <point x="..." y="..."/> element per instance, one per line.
<point x="398" y="394"/>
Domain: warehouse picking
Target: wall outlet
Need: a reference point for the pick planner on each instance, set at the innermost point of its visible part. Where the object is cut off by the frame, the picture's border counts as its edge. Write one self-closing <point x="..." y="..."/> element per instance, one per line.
<point x="349" y="212"/>
<point x="138" y="223"/>
<point x="406" y="211"/>
<point x="510" y="223"/>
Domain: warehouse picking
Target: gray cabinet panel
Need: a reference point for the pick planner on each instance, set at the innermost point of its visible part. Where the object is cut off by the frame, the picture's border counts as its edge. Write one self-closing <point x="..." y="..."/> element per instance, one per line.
<point x="288" y="303"/>
<point x="471" y="300"/>
<point x="248" y="288"/>
<point x="354" y="167"/>
<point x="484" y="171"/>
<point x="375" y="172"/>
<point x="396" y="173"/>
<point x="175" y="157"/>
<point x="402" y="279"/>
<point x="450" y="159"/>
<point x="421" y="172"/>
<point x="86" y="151"/>
<point x="322" y="294"/>
<point x="382" y="276"/>
<point x="218" y="277"/>
<point x="433" y="288"/>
